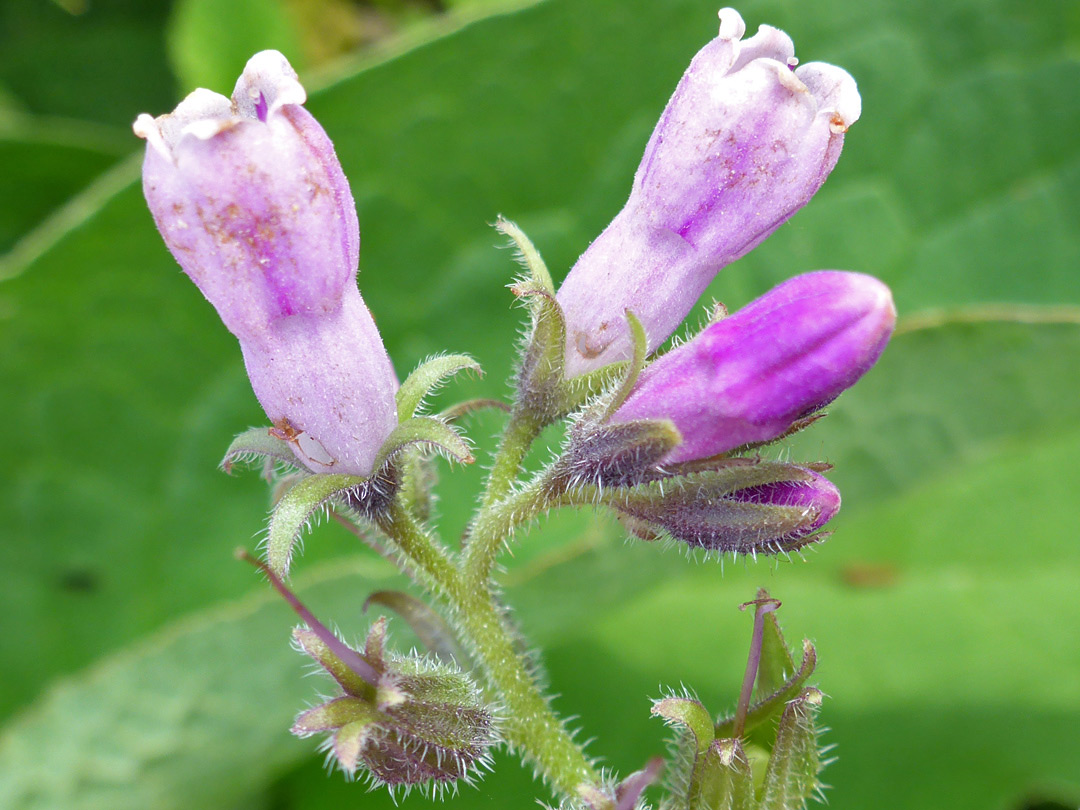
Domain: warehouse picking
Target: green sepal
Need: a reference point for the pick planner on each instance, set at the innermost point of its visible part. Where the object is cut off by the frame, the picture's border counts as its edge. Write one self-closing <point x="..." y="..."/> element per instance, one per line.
<point x="778" y="678"/>
<point x="460" y="409"/>
<point x="541" y="376"/>
<point x="428" y="376"/>
<point x="593" y="798"/>
<point x="543" y="359"/>
<point x="578" y="390"/>
<point x="416" y="482"/>
<point x="724" y="779"/>
<point x="528" y="255"/>
<point x="257" y="443"/>
<point x="692" y="508"/>
<point x="424" y="430"/>
<point x="633" y="368"/>
<point x="347" y="679"/>
<point x="792" y="774"/>
<point x="333" y="715"/>
<point x="349" y="742"/>
<point x="305" y="500"/>
<point x="717" y="312"/>
<point x="432" y="630"/>
<point x="777" y="664"/>
<point x="690" y="714"/>
<point x="619" y="455"/>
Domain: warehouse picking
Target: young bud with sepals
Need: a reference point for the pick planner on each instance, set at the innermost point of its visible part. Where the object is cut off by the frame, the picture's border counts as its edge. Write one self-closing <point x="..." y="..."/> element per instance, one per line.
<point x="408" y="720"/>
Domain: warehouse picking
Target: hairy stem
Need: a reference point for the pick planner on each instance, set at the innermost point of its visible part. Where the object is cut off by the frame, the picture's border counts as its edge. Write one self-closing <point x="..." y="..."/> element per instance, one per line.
<point x="518" y="437"/>
<point x="530" y="725"/>
<point x="496" y="522"/>
<point x="431" y="564"/>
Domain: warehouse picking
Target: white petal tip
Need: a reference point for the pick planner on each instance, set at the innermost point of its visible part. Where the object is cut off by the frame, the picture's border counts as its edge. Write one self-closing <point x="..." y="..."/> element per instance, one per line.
<point x="836" y="93"/>
<point x="146" y="127"/>
<point x="267" y="83"/>
<point x="731" y="24"/>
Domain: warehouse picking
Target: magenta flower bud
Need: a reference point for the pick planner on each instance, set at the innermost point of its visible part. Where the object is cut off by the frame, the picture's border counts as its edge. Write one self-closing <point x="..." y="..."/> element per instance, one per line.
<point x="251" y="200"/>
<point x="749" y="377"/>
<point x="817" y="495"/>
<point x="745" y="142"/>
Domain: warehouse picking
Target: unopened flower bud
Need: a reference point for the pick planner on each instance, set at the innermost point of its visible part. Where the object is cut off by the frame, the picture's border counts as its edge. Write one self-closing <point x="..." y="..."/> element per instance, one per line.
<point x="718" y="512"/>
<point x="422" y="723"/>
<point x="745" y="141"/>
<point x="251" y="200"/>
<point x="747" y="378"/>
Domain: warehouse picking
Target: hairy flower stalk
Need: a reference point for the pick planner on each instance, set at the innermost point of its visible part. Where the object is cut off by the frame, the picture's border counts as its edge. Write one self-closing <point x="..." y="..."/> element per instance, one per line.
<point x="747" y="378"/>
<point x="745" y="141"/>
<point x="252" y="202"/>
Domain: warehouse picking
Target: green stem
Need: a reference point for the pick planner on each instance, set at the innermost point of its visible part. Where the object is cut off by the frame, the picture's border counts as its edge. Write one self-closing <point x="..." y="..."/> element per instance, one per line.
<point x="427" y="557"/>
<point x="518" y="437"/>
<point x="495" y="523"/>
<point x="530" y="725"/>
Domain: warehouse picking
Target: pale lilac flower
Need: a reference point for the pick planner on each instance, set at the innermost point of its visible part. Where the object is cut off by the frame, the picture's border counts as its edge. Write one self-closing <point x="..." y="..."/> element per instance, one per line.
<point x="747" y="378"/>
<point x="745" y="141"/>
<point x="251" y="200"/>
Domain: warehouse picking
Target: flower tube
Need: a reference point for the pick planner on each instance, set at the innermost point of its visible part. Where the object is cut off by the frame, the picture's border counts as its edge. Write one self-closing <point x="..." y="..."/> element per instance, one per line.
<point x="252" y="202"/>
<point x="745" y="142"/>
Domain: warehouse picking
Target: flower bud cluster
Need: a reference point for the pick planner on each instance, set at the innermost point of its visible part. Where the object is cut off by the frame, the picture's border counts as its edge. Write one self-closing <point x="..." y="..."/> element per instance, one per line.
<point x="250" y="199"/>
<point x="661" y="458"/>
<point x="421" y="723"/>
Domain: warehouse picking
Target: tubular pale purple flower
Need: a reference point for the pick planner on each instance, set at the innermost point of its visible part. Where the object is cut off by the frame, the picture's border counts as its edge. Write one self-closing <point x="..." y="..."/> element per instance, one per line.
<point x="748" y="377"/>
<point x="251" y="200"/>
<point x="745" y="141"/>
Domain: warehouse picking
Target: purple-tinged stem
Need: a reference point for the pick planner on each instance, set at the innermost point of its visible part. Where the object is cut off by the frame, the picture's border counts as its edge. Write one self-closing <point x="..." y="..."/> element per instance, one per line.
<point x="753" y="661"/>
<point x="349" y="657"/>
<point x="630" y="790"/>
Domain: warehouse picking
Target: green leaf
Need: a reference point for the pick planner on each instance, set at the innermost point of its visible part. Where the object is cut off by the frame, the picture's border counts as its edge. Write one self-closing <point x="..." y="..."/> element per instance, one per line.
<point x="106" y="64"/>
<point x="196" y="715"/>
<point x="210" y="41"/>
<point x="45" y="163"/>
<point x="427" y="377"/>
<point x="302" y="503"/>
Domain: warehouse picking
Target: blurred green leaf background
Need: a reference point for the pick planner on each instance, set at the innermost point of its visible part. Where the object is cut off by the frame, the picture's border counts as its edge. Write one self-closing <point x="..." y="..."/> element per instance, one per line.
<point x="142" y="667"/>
